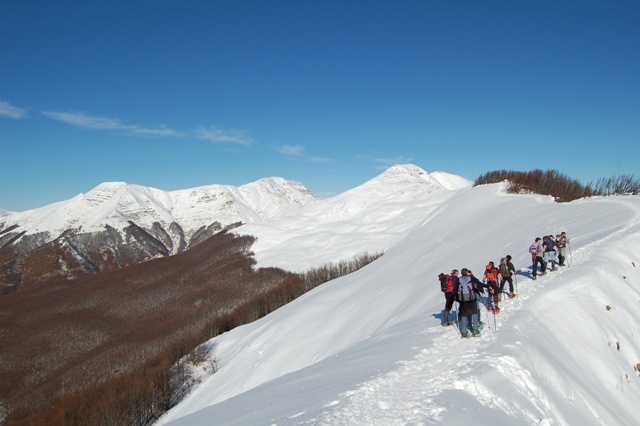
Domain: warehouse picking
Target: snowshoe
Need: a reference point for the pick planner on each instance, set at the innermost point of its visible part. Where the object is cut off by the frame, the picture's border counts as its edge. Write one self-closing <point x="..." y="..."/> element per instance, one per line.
<point x="447" y="324"/>
<point x="476" y="333"/>
<point x="513" y="296"/>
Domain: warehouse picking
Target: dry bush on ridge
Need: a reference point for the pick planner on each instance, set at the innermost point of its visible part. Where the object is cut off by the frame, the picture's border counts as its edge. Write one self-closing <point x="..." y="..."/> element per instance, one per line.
<point x="561" y="187"/>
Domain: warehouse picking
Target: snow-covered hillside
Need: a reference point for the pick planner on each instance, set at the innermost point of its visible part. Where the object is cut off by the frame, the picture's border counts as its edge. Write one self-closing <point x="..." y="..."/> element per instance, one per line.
<point x="369" y="348"/>
<point x="369" y="218"/>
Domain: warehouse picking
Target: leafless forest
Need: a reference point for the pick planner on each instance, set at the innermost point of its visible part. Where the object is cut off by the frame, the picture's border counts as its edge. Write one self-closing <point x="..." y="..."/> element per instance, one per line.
<point x="103" y="349"/>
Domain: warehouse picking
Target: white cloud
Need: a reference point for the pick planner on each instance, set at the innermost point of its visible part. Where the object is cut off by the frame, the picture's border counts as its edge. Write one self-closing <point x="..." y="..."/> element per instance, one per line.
<point x="218" y="136"/>
<point x="295" y="150"/>
<point x="81" y="119"/>
<point x="8" y="110"/>
<point x="87" y="121"/>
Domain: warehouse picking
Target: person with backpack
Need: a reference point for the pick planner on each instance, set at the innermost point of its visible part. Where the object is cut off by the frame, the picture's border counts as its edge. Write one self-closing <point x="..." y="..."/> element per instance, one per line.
<point x="507" y="270"/>
<point x="447" y="284"/>
<point x="549" y="251"/>
<point x="536" y="258"/>
<point x="492" y="279"/>
<point x="466" y="292"/>
<point x="561" y="241"/>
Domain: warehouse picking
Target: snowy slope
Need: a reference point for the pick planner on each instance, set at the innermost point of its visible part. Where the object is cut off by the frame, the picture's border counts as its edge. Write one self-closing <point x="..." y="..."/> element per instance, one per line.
<point x="369" y="218"/>
<point x="368" y="348"/>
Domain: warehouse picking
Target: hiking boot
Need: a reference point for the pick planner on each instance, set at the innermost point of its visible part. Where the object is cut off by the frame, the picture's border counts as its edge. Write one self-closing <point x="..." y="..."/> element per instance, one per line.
<point x="476" y="333"/>
<point x="448" y="323"/>
<point x="513" y="295"/>
<point x="465" y="335"/>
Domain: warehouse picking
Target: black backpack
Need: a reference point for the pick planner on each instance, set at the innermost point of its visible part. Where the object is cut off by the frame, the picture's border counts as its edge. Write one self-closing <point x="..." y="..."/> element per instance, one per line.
<point x="443" y="282"/>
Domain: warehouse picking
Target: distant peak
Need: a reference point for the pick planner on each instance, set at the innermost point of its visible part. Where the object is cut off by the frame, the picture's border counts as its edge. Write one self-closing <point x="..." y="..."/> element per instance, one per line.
<point x="406" y="168"/>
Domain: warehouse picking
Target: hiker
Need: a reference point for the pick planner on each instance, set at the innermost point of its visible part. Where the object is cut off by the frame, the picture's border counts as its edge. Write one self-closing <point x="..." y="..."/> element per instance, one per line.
<point x="562" y="240"/>
<point x="447" y="284"/>
<point x="549" y="251"/>
<point x="492" y="279"/>
<point x="507" y="270"/>
<point x="466" y="292"/>
<point x="536" y="257"/>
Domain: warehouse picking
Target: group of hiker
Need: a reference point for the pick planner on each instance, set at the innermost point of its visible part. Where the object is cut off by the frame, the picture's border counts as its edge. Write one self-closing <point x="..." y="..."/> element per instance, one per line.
<point x="543" y="251"/>
<point x="463" y="287"/>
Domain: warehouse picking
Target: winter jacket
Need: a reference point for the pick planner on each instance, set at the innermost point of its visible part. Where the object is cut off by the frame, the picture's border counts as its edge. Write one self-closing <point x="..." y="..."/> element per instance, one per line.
<point x="451" y="283"/>
<point x="538" y="250"/>
<point x="506" y="268"/>
<point x="561" y="241"/>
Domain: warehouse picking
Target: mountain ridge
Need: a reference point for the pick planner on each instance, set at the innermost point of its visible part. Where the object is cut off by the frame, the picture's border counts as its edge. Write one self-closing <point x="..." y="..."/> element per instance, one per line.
<point x="117" y="223"/>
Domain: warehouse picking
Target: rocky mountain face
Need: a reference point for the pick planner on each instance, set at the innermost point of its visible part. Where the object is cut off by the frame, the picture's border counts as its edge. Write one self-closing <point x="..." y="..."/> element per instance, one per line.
<point x="119" y="224"/>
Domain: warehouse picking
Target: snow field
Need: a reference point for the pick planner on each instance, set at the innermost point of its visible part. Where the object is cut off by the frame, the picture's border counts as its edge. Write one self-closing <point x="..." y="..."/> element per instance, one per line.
<point x="369" y="348"/>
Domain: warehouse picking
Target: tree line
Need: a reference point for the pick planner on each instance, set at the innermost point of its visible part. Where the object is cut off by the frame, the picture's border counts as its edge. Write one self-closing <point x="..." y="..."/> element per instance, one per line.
<point x="560" y="186"/>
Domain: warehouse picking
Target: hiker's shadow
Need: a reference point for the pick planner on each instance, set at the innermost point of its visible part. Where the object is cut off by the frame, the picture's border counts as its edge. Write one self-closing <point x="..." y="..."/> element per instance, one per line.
<point x="527" y="273"/>
<point x="453" y="316"/>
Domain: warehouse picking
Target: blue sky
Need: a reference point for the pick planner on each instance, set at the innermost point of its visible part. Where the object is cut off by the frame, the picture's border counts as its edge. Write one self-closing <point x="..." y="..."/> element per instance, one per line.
<point x="176" y="95"/>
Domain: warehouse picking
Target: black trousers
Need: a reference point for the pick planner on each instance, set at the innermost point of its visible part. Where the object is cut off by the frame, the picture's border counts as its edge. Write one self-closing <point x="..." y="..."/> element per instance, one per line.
<point x="449" y="299"/>
<point x="543" y="265"/>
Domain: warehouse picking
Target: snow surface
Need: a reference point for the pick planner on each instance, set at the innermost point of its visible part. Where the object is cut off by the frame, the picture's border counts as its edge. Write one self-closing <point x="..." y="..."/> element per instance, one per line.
<point x="369" y="348"/>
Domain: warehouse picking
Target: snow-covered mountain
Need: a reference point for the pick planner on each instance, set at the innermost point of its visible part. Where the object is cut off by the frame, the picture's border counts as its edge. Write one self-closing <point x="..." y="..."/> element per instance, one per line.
<point x="369" y="218"/>
<point x="116" y="204"/>
<point x="117" y="224"/>
<point x="369" y="348"/>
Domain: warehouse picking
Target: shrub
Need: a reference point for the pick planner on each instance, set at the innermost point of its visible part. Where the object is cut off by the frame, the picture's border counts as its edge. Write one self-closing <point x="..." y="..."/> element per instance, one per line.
<point x="559" y="186"/>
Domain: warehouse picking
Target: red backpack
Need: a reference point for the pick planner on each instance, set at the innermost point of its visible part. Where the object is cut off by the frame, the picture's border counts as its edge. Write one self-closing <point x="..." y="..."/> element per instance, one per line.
<point x="491" y="274"/>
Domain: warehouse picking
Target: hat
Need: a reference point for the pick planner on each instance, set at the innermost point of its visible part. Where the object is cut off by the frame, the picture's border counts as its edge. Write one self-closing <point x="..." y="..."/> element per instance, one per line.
<point x="455" y="271"/>
<point x="508" y="257"/>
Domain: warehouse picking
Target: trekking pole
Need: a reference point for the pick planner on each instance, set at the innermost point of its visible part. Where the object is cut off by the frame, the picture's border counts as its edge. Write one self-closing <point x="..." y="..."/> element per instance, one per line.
<point x="457" y="315"/>
<point x="570" y="255"/>
<point x="495" y="324"/>
<point x="516" y="277"/>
